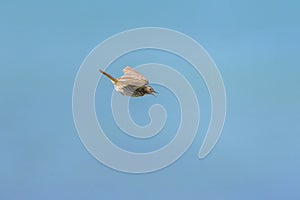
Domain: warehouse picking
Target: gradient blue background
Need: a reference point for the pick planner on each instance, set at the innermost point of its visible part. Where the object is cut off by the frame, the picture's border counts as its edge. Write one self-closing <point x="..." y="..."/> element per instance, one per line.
<point x="256" y="47"/>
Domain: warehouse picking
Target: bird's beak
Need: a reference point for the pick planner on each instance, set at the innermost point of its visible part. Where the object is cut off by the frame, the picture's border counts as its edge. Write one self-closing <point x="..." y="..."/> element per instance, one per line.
<point x="153" y="93"/>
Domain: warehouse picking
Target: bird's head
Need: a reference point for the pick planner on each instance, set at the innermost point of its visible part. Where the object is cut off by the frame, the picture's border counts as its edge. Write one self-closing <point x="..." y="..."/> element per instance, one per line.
<point x="149" y="90"/>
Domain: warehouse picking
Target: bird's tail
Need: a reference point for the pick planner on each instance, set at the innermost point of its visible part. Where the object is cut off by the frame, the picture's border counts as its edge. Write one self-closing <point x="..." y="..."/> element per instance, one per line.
<point x="109" y="76"/>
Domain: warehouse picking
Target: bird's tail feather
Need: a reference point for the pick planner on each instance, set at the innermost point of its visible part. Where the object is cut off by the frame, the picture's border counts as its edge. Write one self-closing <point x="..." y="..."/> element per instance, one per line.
<point x="109" y="76"/>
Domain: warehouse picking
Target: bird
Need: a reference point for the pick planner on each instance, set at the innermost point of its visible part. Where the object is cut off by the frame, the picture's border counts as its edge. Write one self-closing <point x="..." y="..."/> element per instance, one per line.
<point x="132" y="83"/>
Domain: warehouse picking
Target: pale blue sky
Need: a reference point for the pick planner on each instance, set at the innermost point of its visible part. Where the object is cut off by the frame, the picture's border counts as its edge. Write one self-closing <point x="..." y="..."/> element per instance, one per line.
<point x="255" y="45"/>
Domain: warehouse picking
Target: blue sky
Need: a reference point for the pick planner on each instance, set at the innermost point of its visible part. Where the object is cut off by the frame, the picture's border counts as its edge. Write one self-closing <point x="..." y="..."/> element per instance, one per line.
<point x="255" y="46"/>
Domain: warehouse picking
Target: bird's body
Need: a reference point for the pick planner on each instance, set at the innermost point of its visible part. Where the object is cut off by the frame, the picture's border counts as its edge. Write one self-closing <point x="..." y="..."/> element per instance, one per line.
<point x="131" y="83"/>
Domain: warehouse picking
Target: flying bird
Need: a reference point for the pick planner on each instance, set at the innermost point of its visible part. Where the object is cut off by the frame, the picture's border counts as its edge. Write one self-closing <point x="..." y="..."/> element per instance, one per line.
<point x="132" y="83"/>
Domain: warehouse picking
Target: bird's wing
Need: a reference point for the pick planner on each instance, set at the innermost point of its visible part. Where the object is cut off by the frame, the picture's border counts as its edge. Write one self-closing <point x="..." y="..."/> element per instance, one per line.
<point x="126" y="89"/>
<point x="132" y="77"/>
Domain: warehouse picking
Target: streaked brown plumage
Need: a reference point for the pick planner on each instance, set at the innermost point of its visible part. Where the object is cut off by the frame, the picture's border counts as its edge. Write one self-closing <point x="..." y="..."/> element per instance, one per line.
<point x="132" y="83"/>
